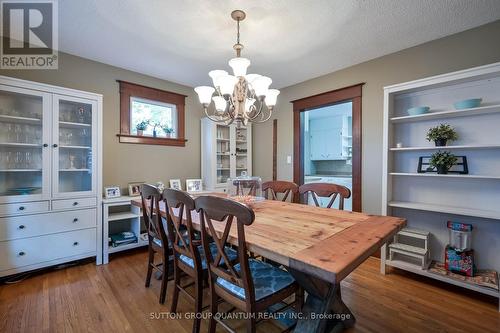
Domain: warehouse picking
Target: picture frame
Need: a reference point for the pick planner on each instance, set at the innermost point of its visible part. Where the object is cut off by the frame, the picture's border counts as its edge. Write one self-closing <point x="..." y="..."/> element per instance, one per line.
<point x="460" y="167"/>
<point x="176" y="184"/>
<point x="134" y="189"/>
<point x="112" y="192"/>
<point x="194" y="185"/>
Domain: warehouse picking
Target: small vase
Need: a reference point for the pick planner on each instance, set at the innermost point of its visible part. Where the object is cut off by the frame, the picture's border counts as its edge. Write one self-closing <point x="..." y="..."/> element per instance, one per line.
<point x="440" y="142"/>
<point x="442" y="170"/>
<point x="168" y="135"/>
<point x="140" y="132"/>
<point x="154" y="133"/>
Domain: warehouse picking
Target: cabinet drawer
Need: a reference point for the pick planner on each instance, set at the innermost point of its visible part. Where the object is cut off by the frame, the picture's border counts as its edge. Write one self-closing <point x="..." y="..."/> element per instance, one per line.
<point x="73" y="203"/>
<point x="30" y="251"/>
<point x="42" y="224"/>
<point x="24" y="208"/>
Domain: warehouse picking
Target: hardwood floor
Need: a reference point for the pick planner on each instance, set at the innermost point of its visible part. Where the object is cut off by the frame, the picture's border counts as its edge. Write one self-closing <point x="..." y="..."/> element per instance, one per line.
<point x="112" y="298"/>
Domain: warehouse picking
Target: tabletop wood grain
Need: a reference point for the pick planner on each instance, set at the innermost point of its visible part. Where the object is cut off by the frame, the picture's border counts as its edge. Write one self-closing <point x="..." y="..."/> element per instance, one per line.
<point x="326" y="243"/>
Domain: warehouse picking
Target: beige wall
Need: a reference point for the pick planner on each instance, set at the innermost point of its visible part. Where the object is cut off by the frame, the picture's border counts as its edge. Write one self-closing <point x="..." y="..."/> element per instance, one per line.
<point x="124" y="163"/>
<point x="467" y="49"/>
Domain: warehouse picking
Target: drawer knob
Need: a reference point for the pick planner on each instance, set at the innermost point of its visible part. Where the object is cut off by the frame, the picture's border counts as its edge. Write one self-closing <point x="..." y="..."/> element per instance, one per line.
<point x="54" y="145"/>
<point x="75" y="203"/>
<point x="21" y="208"/>
<point x="45" y="145"/>
<point x="22" y="253"/>
<point x="22" y="226"/>
<point x="75" y="243"/>
<point x="75" y="220"/>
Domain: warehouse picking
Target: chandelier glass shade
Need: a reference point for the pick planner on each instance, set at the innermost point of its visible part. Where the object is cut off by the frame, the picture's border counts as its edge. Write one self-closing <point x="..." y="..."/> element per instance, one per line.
<point x="240" y="97"/>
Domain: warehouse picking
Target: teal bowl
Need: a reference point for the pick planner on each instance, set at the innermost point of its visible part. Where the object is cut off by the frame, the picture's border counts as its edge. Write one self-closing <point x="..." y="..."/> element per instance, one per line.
<point x="468" y="103"/>
<point x="418" y="110"/>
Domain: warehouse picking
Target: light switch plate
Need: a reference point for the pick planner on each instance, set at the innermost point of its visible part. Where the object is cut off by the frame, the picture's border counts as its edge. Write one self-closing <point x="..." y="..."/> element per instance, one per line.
<point x="289" y="159"/>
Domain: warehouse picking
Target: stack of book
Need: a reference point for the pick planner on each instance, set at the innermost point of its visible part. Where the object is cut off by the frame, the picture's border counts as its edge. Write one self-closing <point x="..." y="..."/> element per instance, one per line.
<point x="123" y="238"/>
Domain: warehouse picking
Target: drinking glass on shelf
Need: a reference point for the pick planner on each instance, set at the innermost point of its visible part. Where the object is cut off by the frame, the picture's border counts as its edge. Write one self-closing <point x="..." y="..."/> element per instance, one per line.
<point x="18" y="160"/>
<point x="11" y="137"/>
<point x="38" y="135"/>
<point x="84" y="136"/>
<point x="18" y="133"/>
<point x="81" y="115"/>
<point x="27" y="160"/>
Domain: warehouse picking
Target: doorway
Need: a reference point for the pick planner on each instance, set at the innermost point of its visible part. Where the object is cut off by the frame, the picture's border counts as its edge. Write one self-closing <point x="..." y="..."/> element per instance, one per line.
<point x="327" y="140"/>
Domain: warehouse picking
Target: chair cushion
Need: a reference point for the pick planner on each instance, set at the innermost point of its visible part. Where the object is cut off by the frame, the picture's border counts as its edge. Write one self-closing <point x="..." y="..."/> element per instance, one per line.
<point x="267" y="280"/>
<point x="231" y="254"/>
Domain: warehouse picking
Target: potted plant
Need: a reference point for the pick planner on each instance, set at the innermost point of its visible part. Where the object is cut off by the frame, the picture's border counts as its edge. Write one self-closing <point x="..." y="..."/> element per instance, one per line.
<point x="442" y="161"/>
<point x="168" y="131"/>
<point x="140" y="127"/>
<point x="441" y="134"/>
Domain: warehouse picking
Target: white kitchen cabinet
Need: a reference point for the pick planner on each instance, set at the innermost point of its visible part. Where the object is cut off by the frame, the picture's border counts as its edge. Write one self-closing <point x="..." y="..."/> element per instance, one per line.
<point x="226" y="152"/>
<point x="50" y="172"/>
<point x="329" y="138"/>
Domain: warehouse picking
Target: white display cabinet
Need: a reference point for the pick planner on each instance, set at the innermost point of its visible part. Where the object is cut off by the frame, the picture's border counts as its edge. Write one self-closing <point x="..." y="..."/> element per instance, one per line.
<point x="428" y="200"/>
<point x="226" y="152"/>
<point x="118" y="214"/>
<point x="50" y="175"/>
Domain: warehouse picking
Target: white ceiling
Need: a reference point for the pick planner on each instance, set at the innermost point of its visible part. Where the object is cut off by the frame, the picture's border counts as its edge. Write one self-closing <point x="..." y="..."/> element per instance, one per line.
<point x="289" y="40"/>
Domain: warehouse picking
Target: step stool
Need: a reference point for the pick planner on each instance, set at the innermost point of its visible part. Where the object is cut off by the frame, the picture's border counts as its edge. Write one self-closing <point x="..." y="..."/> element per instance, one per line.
<point x="421" y="253"/>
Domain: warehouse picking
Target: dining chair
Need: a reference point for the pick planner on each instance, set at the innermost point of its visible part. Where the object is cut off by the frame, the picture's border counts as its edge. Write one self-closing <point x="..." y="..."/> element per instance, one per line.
<point x="157" y="237"/>
<point x="325" y="190"/>
<point x="245" y="186"/>
<point x="275" y="187"/>
<point x="250" y="285"/>
<point x="188" y="255"/>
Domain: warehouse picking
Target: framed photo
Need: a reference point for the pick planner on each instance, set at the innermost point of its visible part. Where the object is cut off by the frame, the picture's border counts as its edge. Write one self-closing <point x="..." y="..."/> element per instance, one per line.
<point x="176" y="184"/>
<point x="459" y="167"/>
<point x="193" y="185"/>
<point x="112" y="192"/>
<point x="134" y="189"/>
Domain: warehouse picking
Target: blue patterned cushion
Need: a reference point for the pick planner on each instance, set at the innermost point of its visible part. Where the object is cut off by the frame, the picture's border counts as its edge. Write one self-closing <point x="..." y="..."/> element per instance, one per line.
<point x="231" y="254"/>
<point x="267" y="280"/>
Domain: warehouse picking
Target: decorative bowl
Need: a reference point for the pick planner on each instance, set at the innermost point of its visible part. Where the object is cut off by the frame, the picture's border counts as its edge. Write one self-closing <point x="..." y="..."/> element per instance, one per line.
<point x="418" y="110"/>
<point x="468" y="103"/>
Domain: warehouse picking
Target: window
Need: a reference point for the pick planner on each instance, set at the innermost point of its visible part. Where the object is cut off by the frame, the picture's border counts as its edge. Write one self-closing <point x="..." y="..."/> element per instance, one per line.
<point x="161" y="114"/>
<point x="159" y="117"/>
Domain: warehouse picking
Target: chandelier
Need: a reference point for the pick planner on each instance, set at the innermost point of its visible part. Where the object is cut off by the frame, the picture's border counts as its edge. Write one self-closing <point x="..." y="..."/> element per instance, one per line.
<point x="240" y="97"/>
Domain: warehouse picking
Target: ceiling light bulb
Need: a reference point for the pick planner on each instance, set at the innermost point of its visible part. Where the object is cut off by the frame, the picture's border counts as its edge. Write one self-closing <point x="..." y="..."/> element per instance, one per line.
<point x="220" y="103"/>
<point x="261" y="85"/>
<point x="227" y="83"/>
<point x="239" y="66"/>
<point x="215" y="75"/>
<point x="204" y="94"/>
<point x="272" y="96"/>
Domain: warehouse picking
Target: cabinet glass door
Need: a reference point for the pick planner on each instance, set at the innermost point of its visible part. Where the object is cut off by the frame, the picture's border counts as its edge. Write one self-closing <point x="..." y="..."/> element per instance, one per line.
<point x="240" y="150"/>
<point x="74" y="146"/>
<point x="24" y="129"/>
<point x="223" y="151"/>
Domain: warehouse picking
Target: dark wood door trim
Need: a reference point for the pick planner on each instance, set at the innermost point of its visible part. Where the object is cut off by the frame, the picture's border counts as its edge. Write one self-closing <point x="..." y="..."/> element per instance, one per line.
<point x="275" y="149"/>
<point x="351" y="93"/>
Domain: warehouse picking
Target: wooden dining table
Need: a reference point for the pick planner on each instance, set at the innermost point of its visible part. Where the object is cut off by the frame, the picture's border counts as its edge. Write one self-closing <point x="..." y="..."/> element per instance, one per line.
<point x="318" y="246"/>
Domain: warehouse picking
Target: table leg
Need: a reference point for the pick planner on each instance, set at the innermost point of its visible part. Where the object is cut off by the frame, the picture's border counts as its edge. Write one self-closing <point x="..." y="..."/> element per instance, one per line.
<point x="323" y="310"/>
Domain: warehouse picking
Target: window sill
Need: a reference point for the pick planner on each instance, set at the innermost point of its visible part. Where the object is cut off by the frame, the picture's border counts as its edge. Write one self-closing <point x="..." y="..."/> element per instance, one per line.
<point x="149" y="140"/>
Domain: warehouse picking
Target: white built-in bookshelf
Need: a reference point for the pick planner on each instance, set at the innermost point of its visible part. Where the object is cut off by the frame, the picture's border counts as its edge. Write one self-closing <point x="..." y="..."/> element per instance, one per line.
<point x="428" y="200"/>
